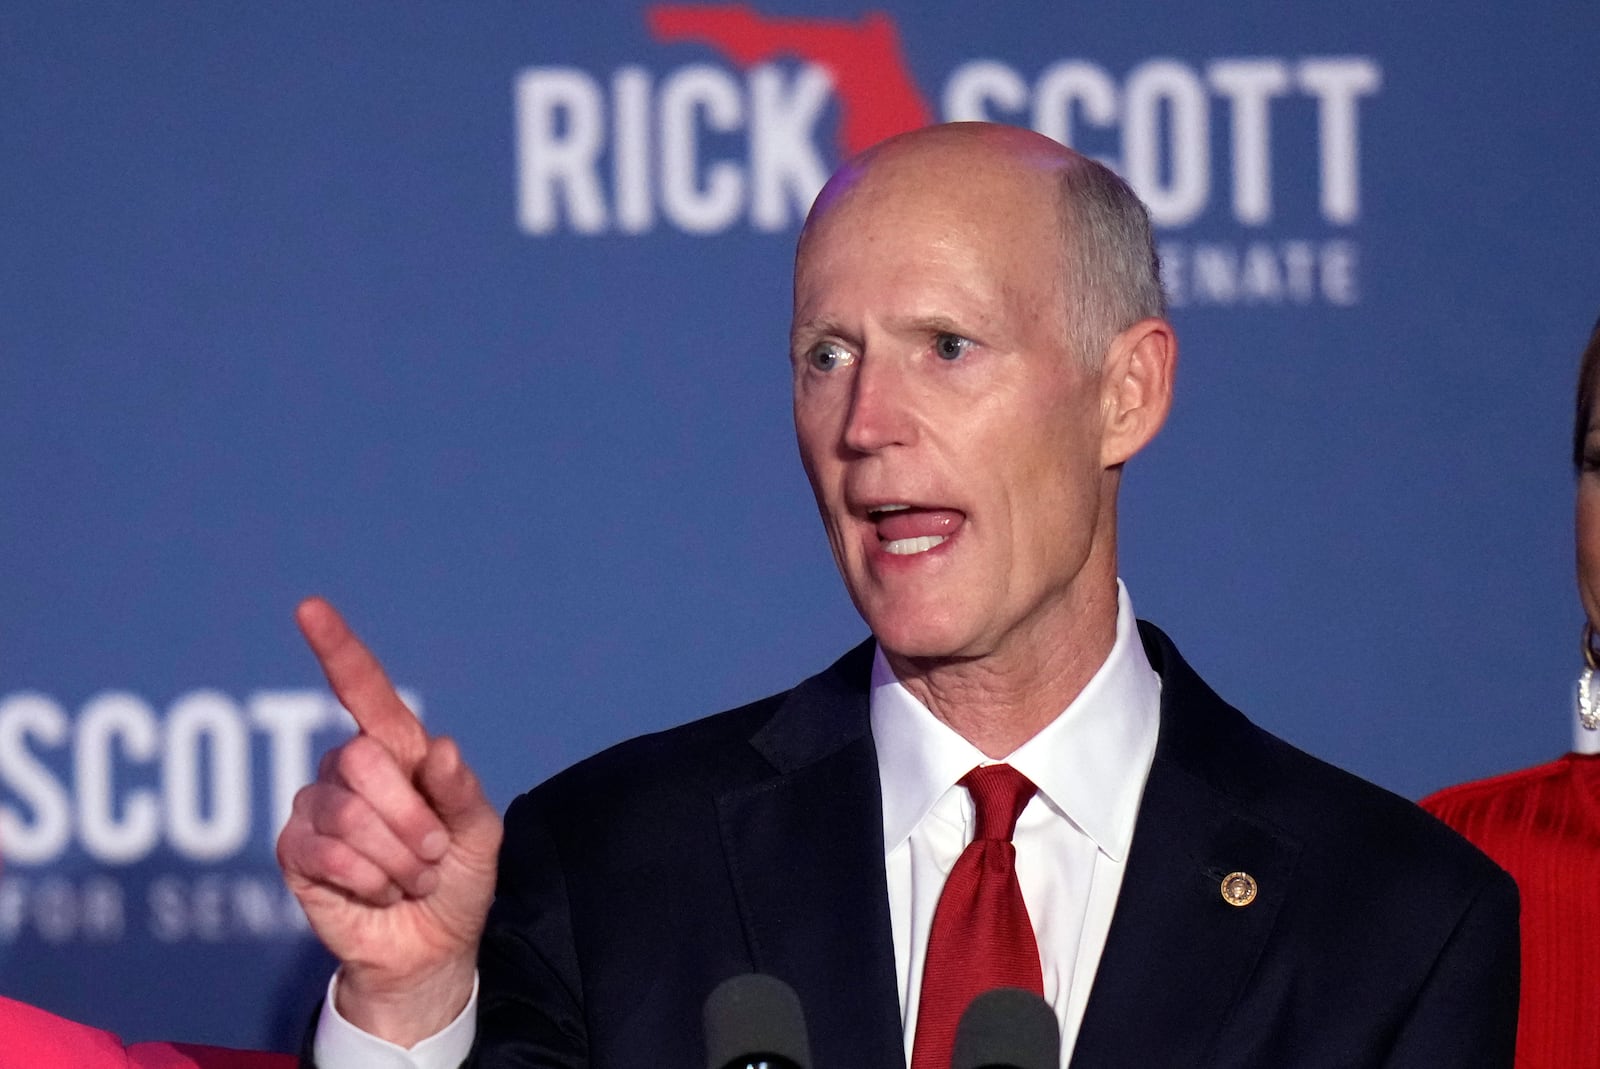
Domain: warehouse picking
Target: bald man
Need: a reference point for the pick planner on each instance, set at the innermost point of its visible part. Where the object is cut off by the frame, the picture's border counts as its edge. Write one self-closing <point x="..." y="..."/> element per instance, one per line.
<point x="979" y="345"/>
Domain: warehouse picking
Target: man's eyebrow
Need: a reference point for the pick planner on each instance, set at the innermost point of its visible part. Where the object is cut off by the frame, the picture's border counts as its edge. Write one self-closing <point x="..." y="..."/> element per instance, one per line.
<point x="929" y="323"/>
<point x="934" y="323"/>
<point x="814" y="328"/>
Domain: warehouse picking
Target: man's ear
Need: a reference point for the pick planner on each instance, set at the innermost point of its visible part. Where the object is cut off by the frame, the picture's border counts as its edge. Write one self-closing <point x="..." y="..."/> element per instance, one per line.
<point x="1136" y="388"/>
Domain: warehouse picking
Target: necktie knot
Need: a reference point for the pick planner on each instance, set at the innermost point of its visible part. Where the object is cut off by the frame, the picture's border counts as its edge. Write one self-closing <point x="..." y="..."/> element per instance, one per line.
<point x="981" y="937"/>
<point x="999" y="794"/>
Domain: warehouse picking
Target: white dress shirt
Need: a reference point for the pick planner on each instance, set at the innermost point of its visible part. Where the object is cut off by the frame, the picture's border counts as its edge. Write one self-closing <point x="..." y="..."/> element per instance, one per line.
<point x="1072" y="840"/>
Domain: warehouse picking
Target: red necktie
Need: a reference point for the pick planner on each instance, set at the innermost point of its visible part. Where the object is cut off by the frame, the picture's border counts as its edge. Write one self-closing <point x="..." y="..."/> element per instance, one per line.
<point x="981" y="936"/>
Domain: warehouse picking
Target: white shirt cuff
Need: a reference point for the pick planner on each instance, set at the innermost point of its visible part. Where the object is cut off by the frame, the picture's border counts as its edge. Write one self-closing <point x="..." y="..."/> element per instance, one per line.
<point x="341" y="1045"/>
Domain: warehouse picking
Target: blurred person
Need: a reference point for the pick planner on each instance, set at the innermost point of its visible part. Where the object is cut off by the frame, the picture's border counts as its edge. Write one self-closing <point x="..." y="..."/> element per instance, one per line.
<point x="1542" y="824"/>
<point x="32" y="1038"/>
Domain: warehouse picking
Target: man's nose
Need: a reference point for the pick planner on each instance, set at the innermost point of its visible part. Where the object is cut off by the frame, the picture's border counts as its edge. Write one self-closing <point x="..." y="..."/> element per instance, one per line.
<point x="880" y="413"/>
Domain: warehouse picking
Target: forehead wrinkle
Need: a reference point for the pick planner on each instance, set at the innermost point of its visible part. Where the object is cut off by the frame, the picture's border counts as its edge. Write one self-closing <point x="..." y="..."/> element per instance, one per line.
<point x="941" y="286"/>
<point x="941" y="267"/>
<point x="919" y="324"/>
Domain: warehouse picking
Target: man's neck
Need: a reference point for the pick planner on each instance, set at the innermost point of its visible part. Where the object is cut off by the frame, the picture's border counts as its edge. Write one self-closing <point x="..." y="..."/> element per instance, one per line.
<point x="1000" y="700"/>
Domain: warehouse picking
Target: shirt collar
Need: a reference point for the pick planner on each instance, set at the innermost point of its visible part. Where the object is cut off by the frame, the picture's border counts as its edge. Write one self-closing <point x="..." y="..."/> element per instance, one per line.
<point x="1089" y="763"/>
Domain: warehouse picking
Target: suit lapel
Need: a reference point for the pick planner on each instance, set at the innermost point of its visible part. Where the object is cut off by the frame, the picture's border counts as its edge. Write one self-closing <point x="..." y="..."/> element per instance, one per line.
<point x="805" y="848"/>
<point x="1178" y="956"/>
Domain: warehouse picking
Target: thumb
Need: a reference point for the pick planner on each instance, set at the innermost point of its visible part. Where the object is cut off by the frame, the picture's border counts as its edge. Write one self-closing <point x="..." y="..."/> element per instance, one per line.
<point x="453" y="790"/>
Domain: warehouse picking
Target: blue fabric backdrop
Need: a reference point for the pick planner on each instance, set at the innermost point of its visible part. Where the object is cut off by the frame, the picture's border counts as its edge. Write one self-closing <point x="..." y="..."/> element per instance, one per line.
<point x="473" y="317"/>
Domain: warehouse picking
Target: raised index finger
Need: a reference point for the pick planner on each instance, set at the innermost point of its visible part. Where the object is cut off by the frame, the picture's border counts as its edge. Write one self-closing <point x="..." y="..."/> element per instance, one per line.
<point x="360" y="682"/>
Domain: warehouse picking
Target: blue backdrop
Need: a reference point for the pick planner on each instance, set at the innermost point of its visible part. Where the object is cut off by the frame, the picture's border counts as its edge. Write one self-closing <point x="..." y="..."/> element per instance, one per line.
<point x="473" y="318"/>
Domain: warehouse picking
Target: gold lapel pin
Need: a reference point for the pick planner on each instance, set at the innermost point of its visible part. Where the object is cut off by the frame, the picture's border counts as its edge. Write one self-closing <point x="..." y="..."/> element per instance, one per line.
<point x="1238" y="889"/>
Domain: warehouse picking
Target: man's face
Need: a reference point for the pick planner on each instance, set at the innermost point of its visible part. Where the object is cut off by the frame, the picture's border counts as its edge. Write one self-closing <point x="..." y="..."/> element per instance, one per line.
<point x="952" y="439"/>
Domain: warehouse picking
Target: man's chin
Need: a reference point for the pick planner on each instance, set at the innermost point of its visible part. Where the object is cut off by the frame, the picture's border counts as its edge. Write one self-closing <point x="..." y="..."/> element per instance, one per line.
<point x="918" y="640"/>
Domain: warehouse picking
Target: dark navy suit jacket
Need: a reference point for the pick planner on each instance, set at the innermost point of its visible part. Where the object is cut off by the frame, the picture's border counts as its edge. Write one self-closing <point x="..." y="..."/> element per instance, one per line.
<point x="634" y="882"/>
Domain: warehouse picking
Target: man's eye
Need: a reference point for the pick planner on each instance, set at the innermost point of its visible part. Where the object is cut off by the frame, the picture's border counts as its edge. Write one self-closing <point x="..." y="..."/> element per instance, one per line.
<point x="829" y="357"/>
<point x="951" y="346"/>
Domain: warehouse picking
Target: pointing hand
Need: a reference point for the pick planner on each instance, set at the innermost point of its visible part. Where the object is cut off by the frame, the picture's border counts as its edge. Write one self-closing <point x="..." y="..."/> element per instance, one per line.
<point x="391" y="851"/>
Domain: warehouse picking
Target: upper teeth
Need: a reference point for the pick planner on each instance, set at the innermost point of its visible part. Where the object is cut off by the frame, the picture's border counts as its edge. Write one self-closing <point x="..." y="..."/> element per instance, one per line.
<point x="878" y="510"/>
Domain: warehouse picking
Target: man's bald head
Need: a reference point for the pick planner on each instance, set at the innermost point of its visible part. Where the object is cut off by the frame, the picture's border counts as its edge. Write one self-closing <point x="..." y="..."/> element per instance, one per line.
<point x="1109" y="272"/>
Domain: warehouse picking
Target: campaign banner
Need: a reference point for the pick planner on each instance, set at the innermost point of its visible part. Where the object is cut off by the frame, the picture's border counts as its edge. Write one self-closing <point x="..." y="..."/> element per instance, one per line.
<point x="473" y="319"/>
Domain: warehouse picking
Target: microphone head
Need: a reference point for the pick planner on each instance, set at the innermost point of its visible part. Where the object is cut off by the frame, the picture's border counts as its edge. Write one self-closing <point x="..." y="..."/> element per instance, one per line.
<point x="1007" y="1027"/>
<point x="752" y="1019"/>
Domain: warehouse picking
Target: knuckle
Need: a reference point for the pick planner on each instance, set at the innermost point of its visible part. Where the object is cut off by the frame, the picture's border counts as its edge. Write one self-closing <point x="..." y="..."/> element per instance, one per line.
<point x="344" y="868"/>
<point x="353" y="758"/>
<point x="365" y="764"/>
<point x="349" y="818"/>
<point x="286" y="848"/>
<point x="304" y="802"/>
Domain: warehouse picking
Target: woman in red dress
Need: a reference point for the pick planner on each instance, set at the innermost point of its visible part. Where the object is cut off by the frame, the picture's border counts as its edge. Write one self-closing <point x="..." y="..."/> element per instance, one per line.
<point x="1542" y="824"/>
